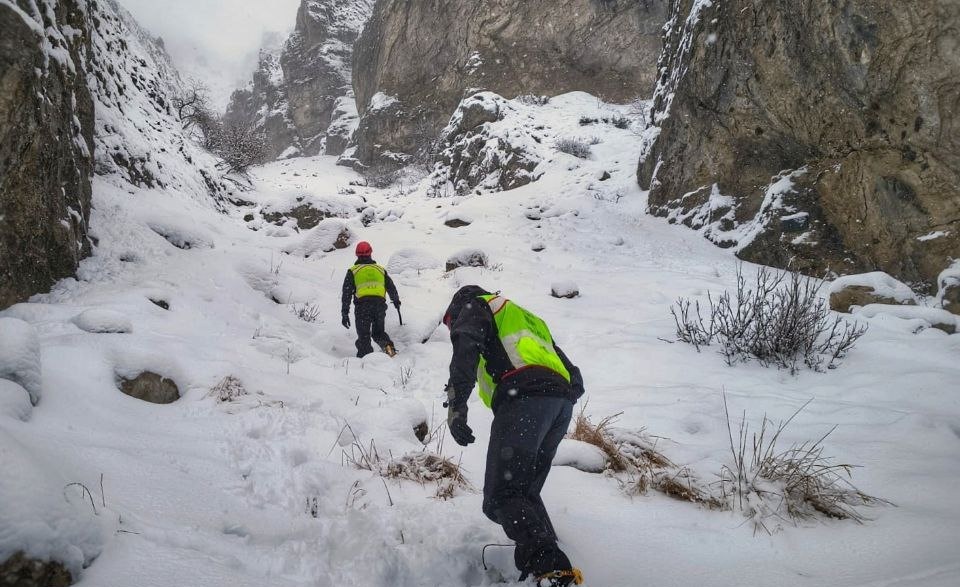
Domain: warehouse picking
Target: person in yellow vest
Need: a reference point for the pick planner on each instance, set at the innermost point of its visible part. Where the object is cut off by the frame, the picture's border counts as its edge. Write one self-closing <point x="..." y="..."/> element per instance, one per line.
<point x="367" y="285"/>
<point x="509" y="354"/>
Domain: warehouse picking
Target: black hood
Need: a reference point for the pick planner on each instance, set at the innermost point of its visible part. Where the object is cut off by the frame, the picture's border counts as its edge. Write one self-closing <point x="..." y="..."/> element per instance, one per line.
<point x="463" y="295"/>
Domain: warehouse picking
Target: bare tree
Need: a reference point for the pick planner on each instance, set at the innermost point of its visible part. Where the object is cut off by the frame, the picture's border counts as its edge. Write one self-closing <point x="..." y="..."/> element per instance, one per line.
<point x="241" y="145"/>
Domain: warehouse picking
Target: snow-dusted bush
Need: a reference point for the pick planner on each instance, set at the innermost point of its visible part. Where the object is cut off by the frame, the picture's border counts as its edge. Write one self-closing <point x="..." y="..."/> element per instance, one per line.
<point x="576" y="147"/>
<point x="241" y="145"/>
<point x="781" y="320"/>
<point x="20" y="355"/>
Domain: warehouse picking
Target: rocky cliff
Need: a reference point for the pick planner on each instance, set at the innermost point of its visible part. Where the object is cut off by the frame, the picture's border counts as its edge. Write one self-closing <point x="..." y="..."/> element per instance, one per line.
<point x="825" y="135"/>
<point x="46" y="143"/>
<point x="84" y="92"/>
<point x="415" y="61"/>
<point x="263" y="103"/>
<point x="302" y="96"/>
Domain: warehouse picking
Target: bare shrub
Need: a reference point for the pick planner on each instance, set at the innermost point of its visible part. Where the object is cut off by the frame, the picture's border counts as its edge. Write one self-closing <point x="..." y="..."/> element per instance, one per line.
<point x="778" y="320"/>
<point x="764" y="481"/>
<point x="307" y="312"/>
<point x="576" y="147"/>
<point x="229" y="389"/>
<point x="241" y="145"/>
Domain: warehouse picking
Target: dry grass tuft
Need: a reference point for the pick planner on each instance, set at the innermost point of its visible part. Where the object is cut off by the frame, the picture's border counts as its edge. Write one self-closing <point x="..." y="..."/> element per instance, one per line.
<point x="423" y="467"/>
<point x="230" y="389"/>
<point x="800" y="482"/>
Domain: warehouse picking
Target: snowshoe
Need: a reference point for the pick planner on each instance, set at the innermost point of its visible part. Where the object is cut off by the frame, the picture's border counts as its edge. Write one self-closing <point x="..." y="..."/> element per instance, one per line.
<point x="560" y="578"/>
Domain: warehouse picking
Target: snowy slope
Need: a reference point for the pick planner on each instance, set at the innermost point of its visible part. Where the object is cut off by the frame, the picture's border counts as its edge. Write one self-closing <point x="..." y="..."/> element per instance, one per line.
<point x="206" y="493"/>
<point x="139" y="139"/>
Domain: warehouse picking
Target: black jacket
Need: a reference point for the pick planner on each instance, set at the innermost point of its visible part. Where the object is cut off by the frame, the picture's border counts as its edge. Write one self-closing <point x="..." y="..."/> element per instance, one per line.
<point x="473" y="333"/>
<point x="350" y="287"/>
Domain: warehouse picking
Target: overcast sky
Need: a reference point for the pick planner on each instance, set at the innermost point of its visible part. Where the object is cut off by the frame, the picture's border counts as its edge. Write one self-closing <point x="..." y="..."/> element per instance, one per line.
<point x="215" y="40"/>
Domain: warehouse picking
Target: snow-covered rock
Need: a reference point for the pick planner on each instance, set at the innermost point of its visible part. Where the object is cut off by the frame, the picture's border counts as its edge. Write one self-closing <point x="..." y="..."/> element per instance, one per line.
<point x="101" y="320"/>
<point x="467" y="258"/>
<point x="14" y="400"/>
<point x="411" y="259"/>
<point x="932" y="317"/>
<point x="580" y="455"/>
<point x="330" y="234"/>
<point x="868" y="288"/>
<point x="41" y="514"/>
<point x="948" y="289"/>
<point x="20" y="355"/>
<point x="564" y="289"/>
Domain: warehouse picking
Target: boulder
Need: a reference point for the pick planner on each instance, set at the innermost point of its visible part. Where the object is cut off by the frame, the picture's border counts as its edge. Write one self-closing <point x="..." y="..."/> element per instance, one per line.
<point x="428" y="55"/>
<point x="949" y="290"/>
<point x="22" y="571"/>
<point x="850" y="98"/>
<point x="150" y="387"/>
<point x="46" y="147"/>
<point x="869" y="288"/>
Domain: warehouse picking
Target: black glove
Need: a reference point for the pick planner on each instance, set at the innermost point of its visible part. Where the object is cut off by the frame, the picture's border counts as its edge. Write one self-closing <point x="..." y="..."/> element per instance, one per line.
<point x="346" y="321"/>
<point x="457" y="420"/>
<point x="396" y="304"/>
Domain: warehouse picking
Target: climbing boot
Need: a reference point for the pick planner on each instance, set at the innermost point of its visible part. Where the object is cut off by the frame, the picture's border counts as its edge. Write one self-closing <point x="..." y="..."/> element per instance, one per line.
<point x="560" y="578"/>
<point x="391" y="352"/>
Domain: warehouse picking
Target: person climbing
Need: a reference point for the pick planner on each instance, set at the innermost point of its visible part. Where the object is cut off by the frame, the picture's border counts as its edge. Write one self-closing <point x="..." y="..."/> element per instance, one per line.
<point x="531" y="386"/>
<point x="368" y="285"/>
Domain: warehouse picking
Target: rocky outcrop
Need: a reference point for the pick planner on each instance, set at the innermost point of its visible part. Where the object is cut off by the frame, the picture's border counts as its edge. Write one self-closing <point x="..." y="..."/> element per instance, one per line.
<point x="302" y="96"/>
<point x="415" y="60"/>
<point x="825" y="135"/>
<point x="263" y="105"/>
<point x="46" y="144"/>
<point x="22" y="571"/>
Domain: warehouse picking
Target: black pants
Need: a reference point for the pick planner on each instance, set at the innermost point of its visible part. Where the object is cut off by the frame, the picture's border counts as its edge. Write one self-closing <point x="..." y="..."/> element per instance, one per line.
<point x="369" y="315"/>
<point x="523" y="441"/>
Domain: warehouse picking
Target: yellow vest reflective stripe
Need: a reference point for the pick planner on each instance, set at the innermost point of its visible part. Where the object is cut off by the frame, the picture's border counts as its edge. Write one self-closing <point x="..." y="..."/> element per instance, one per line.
<point x="371" y="280"/>
<point x="525" y="338"/>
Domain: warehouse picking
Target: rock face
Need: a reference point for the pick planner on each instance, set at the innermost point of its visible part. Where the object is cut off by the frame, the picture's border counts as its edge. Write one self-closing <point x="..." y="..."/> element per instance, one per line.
<point x="859" y="101"/>
<point x="46" y="144"/>
<point x="415" y="60"/>
<point x="264" y="104"/>
<point x="302" y="96"/>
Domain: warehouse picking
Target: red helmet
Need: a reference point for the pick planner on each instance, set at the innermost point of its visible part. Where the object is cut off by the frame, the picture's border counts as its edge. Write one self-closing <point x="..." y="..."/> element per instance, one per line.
<point x="364" y="249"/>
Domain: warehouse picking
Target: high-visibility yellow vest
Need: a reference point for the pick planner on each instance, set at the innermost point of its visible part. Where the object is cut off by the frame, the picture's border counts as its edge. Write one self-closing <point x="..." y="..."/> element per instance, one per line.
<point x="370" y="279"/>
<point x="526" y="339"/>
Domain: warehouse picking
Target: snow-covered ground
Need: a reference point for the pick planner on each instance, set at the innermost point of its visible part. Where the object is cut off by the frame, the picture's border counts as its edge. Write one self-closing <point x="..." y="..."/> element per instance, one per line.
<point x="257" y="491"/>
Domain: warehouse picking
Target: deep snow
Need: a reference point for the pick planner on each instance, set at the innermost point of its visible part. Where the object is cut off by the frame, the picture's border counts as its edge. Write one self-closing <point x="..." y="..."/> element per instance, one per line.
<point x="256" y="491"/>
